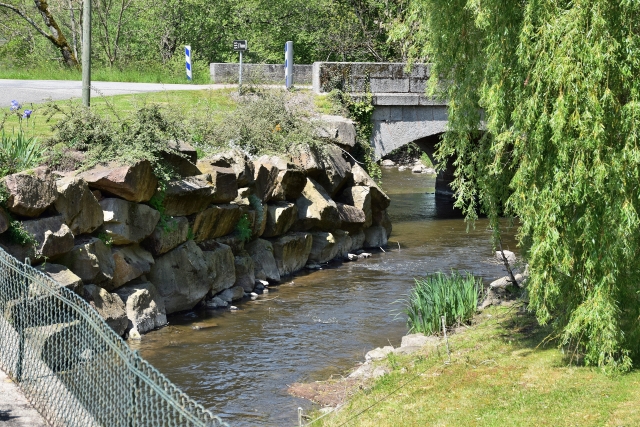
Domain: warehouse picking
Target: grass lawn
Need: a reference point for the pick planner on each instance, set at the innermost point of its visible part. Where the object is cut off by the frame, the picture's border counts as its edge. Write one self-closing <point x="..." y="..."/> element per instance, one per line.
<point x="209" y="104"/>
<point x="500" y="374"/>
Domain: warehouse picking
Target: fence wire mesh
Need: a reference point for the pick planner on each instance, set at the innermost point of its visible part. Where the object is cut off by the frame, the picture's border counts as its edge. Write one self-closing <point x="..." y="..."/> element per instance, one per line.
<point x="73" y="368"/>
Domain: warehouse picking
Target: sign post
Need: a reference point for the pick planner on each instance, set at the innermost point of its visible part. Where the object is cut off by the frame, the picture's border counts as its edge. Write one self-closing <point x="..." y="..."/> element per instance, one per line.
<point x="288" y="65"/>
<point x="86" y="53"/>
<point x="187" y="54"/>
<point x="240" y="46"/>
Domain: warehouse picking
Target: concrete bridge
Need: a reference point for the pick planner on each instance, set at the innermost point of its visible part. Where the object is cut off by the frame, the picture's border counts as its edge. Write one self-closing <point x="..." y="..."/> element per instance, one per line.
<point x="402" y="114"/>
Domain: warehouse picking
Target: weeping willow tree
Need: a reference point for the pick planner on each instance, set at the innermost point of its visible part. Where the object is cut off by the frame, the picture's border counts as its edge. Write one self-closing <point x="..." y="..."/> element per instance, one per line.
<point x="556" y="86"/>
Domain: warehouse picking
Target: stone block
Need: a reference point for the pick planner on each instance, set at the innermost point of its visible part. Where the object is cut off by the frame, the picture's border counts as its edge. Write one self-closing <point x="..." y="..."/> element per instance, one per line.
<point x="91" y="260"/>
<point x="316" y="209"/>
<point x="265" y="267"/>
<point x="78" y="206"/>
<point x="144" y="307"/>
<point x="324" y="247"/>
<point x="53" y="236"/>
<point x="216" y="221"/>
<point x="188" y="196"/>
<point x="30" y="192"/>
<point x="130" y="263"/>
<point x="128" y="222"/>
<point x="291" y="252"/>
<point x="245" y="272"/>
<point x="135" y="183"/>
<point x="109" y="306"/>
<point x="280" y="218"/>
<point x="167" y="236"/>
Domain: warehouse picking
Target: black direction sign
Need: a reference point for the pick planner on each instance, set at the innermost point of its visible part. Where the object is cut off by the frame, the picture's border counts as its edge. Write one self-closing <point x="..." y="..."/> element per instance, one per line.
<point x="239" y="45"/>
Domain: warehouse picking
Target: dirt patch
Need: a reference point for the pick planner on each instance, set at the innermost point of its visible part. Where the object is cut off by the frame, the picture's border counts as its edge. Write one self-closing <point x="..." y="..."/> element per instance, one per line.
<point x="326" y="393"/>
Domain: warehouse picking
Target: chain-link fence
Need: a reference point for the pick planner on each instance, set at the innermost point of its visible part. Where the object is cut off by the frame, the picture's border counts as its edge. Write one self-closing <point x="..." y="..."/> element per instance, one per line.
<point x="72" y="367"/>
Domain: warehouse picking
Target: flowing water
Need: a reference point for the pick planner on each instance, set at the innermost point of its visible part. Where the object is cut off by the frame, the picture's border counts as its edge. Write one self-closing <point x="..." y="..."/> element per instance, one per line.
<point x="321" y="323"/>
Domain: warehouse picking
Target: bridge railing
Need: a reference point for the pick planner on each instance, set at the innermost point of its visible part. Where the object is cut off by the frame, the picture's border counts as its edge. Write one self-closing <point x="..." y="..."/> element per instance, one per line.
<point x="73" y="368"/>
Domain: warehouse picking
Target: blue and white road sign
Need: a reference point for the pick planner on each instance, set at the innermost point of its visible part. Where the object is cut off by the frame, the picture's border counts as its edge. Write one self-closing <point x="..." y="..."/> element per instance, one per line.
<point x="187" y="54"/>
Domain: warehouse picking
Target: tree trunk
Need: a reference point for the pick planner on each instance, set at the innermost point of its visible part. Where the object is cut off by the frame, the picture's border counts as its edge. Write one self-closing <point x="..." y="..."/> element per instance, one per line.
<point x="56" y="37"/>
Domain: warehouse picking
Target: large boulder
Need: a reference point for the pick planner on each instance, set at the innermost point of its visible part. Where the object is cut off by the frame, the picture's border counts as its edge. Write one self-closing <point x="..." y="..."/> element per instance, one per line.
<point x="182" y="158"/>
<point x="109" y="306"/>
<point x="324" y="247"/>
<point x="291" y="252"/>
<point x="266" y="180"/>
<point x="307" y="159"/>
<point x="91" y="260"/>
<point x="335" y="170"/>
<point x="265" y="267"/>
<point x="144" y="307"/>
<point x="339" y="129"/>
<point x="232" y="294"/>
<point x="135" y="183"/>
<point x="221" y="264"/>
<point x="216" y="221"/>
<point x="379" y="200"/>
<point x="188" y="196"/>
<point x="316" y="209"/>
<point x="290" y="180"/>
<point x="127" y="222"/>
<point x="130" y="262"/>
<point x="63" y="276"/>
<point x="344" y="242"/>
<point x="30" y="192"/>
<point x="358" y="197"/>
<point x="234" y="159"/>
<point x="52" y="235"/>
<point x="351" y="218"/>
<point x="5" y="220"/>
<point x="77" y="204"/>
<point x="225" y="183"/>
<point x="181" y="277"/>
<point x="167" y="235"/>
<point x="260" y="215"/>
<point x="245" y="273"/>
<point x="375" y="237"/>
<point x="382" y="218"/>
<point x="280" y="218"/>
<point x="357" y="240"/>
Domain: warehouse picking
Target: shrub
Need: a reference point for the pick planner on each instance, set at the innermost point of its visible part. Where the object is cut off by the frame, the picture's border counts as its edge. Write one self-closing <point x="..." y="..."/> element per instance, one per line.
<point x="18" y="152"/>
<point x="243" y="228"/>
<point x="454" y="296"/>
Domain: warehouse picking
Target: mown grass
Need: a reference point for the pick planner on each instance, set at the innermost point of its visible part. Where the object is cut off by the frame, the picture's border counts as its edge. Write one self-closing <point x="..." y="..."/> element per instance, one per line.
<point x="206" y="104"/>
<point x="499" y="375"/>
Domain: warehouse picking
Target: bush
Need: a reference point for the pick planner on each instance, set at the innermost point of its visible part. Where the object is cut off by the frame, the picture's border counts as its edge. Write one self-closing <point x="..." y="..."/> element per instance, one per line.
<point x="454" y="296"/>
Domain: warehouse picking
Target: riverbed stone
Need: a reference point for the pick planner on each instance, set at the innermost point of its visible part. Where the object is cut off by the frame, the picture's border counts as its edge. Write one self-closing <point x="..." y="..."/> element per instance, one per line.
<point x="324" y="247"/>
<point x="378" y="353"/>
<point x="232" y="294"/>
<point x="91" y="260"/>
<point x="128" y="222"/>
<point x="280" y="218"/>
<point x="144" y="307"/>
<point x="53" y="237"/>
<point x="316" y="209"/>
<point x="221" y="264"/>
<point x="382" y="218"/>
<point x="261" y="251"/>
<point x="245" y="272"/>
<point x="216" y="221"/>
<point x="387" y="163"/>
<point x="351" y="218"/>
<point x="63" y="276"/>
<point x="291" y="251"/>
<point x="181" y="276"/>
<point x="5" y="220"/>
<point x="375" y="237"/>
<point x="167" y="236"/>
<point x="109" y="306"/>
<point x="130" y="263"/>
<point x="77" y="204"/>
<point x="135" y="183"/>
<point x="30" y="192"/>
<point x="510" y="256"/>
<point x="187" y="196"/>
<point x="358" y="197"/>
<point x="379" y="200"/>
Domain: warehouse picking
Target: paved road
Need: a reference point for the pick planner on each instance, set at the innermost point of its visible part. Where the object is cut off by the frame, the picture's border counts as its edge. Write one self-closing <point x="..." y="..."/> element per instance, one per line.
<point x="36" y="91"/>
<point x="15" y="410"/>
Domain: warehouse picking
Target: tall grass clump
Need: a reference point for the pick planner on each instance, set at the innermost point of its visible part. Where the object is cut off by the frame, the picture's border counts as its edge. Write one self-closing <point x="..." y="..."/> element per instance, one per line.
<point x="18" y="152"/>
<point x="454" y="296"/>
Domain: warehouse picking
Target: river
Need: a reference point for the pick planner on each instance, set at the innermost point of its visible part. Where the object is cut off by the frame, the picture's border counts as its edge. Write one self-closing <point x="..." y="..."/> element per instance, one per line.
<point x="321" y="323"/>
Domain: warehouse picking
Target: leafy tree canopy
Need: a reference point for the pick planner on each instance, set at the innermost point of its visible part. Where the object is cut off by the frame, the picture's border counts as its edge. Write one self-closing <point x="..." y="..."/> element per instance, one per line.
<point x="555" y="84"/>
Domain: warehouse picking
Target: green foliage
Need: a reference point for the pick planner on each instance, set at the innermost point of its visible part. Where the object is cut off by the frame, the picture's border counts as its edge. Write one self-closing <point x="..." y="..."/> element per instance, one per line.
<point x="17" y="234"/>
<point x="141" y="135"/>
<point x="454" y="296"/>
<point x="18" y="152"/>
<point x="424" y="158"/>
<point x="190" y="235"/>
<point x="243" y="228"/>
<point x="557" y="83"/>
<point x="106" y="239"/>
<point x="262" y="123"/>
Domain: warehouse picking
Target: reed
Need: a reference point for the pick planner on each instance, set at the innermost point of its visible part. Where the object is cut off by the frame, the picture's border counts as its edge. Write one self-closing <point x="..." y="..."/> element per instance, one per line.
<point x="454" y="296"/>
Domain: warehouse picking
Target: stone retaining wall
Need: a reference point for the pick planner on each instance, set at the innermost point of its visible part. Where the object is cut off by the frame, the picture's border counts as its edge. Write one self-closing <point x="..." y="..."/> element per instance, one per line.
<point x="138" y="254"/>
<point x="259" y="73"/>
